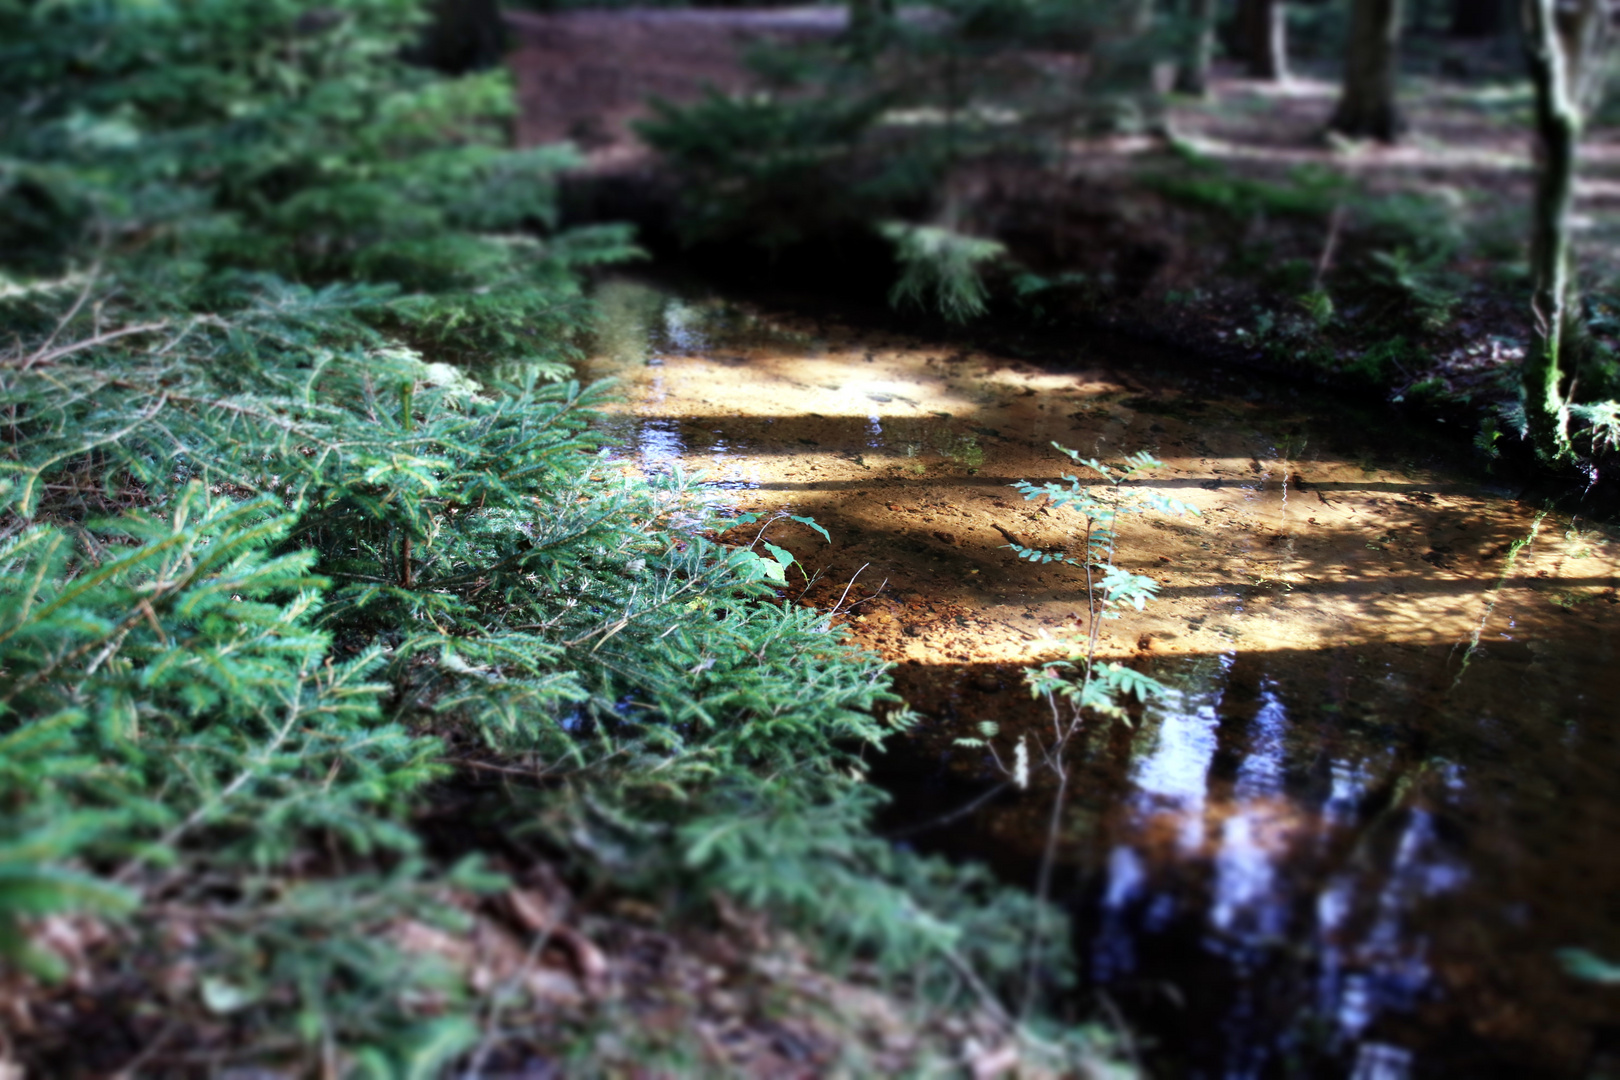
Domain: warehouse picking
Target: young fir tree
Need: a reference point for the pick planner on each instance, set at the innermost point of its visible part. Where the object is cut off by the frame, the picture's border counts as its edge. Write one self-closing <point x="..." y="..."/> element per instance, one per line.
<point x="299" y="512"/>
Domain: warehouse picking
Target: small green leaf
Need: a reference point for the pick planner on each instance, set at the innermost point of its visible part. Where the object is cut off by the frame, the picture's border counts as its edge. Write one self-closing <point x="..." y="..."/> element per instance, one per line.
<point x="782" y="555"/>
<point x="435" y="1045"/>
<point x="1583" y="964"/>
<point x="810" y="521"/>
<point x="222" y="997"/>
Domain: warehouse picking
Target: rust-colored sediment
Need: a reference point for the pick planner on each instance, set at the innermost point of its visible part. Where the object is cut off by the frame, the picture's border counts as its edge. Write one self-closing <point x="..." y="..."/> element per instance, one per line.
<point x="1389" y="739"/>
<point x="906" y="451"/>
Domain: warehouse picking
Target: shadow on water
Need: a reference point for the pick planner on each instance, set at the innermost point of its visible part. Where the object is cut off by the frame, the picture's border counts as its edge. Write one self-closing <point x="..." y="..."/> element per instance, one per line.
<point x="1378" y="800"/>
<point x="1326" y="860"/>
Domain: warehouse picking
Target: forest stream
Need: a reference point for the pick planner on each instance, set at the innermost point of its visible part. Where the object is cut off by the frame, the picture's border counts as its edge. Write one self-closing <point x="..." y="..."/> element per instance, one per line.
<point x="1376" y="806"/>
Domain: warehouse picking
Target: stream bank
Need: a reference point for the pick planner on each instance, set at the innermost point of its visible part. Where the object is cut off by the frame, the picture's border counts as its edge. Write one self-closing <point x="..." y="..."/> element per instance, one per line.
<point x="1355" y="836"/>
<point x="1393" y="275"/>
<point x="854" y="271"/>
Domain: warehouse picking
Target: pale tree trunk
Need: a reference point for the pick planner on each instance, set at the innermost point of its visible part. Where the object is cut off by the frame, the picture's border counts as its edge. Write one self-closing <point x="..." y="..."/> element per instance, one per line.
<point x="1367" y="105"/>
<point x="1263" y="28"/>
<point x="1192" y="74"/>
<point x="1565" y="40"/>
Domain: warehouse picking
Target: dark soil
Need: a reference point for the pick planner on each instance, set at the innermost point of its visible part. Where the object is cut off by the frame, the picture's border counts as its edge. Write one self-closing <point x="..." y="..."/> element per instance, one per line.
<point x="1127" y="225"/>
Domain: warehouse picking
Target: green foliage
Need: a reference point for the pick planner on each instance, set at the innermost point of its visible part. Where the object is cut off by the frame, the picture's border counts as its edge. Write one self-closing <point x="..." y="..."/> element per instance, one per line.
<point x="1088" y="685"/>
<point x="1485" y="440"/>
<point x="869" y="134"/>
<point x="1309" y="193"/>
<point x="186" y="713"/>
<point x="777" y="168"/>
<point x="1583" y="964"/>
<point x="397" y="536"/>
<point x="299" y="511"/>
<point x="774" y="566"/>
<point x="827" y="869"/>
<point x="1033" y="291"/>
<point x="1423" y="228"/>
<point x="38" y="846"/>
<point x="941" y="267"/>
<point x="1603" y="418"/>
<point x="1598" y="354"/>
<point x="329" y="945"/>
<point x="1380" y="363"/>
<point x="1318" y="306"/>
<point x="1394" y="251"/>
<point x="282" y="138"/>
<point x="1426" y="226"/>
<point x="1425" y="292"/>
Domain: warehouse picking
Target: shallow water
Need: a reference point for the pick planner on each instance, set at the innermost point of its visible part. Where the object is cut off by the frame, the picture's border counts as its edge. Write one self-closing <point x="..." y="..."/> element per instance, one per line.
<point x="1380" y="796"/>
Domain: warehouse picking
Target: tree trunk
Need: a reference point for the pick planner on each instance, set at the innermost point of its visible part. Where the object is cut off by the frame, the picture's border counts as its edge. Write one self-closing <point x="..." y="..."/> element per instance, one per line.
<point x="462" y="36"/>
<point x="1143" y="64"/>
<point x="1565" y="41"/>
<point x="1128" y="66"/>
<point x="1367" y="106"/>
<point x="1192" y="74"/>
<point x="1263" y="27"/>
<point x="1478" y="18"/>
<point x="869" y="26"/>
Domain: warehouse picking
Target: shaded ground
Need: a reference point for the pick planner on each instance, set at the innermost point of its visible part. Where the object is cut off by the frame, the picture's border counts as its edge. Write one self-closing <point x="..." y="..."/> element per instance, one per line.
<point x="579" y="980"/>
<point x="1460" y="182"/>
<point x="585" y="75"/>
<point x="1375" y="804"/>
<point x="1204" y="240"/>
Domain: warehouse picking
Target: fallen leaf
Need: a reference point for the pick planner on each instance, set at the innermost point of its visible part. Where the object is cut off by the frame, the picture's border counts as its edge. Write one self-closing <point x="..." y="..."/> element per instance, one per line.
<point x="530" y="910"/>
<point x="988" y="1063"/>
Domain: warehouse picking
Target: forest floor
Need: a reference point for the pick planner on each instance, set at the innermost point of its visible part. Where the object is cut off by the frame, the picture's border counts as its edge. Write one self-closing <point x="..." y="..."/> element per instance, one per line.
<point x="1239" y="232"/>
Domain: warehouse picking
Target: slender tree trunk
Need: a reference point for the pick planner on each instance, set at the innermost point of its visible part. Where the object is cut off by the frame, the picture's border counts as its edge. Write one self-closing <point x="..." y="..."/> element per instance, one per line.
<point x="1263" y="28"/>
<point x="1143" y="63"/>
<point x="1565" y="40"/>
<point x="1478" y="18"/>
<point x="1130" y="69"/>
<point x="1192" y="74"/>
<point x="1367" y="107"/>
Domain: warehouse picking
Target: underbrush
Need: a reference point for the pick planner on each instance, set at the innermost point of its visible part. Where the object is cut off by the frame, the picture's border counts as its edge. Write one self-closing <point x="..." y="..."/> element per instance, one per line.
<point x="875" y="132"/>
<point x="306" y="539"/>
<point x="235" y="671"/>
<point x="1317" y="275"/>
